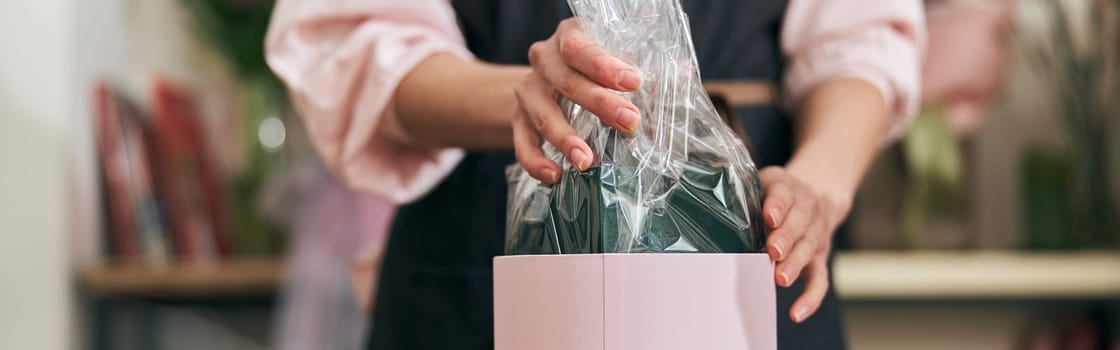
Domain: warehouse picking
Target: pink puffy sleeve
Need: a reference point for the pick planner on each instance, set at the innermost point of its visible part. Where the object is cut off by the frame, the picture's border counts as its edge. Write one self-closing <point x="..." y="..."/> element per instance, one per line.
<point x="342" y="61"/>
<point x="878" y="41"/>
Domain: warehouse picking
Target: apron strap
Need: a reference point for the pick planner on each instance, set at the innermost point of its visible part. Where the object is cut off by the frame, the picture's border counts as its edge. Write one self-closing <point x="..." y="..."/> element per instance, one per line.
<point x="728" y="95"/>
<point x="743" y="93"/>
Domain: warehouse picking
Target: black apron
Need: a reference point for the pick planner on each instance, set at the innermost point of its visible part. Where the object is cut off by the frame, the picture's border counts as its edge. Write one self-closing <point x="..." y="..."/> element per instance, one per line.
<point x="435" y="289"/>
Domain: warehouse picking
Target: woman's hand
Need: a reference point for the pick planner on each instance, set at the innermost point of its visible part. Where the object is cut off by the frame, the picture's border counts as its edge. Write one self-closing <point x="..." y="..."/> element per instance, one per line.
<point x="570" y="64"/>
<point x="802" y="221"/>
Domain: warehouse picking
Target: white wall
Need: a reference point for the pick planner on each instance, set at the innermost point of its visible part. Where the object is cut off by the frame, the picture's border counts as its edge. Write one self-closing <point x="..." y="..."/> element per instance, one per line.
<point x="35" y="297"/>
<point x="51" y="52"/>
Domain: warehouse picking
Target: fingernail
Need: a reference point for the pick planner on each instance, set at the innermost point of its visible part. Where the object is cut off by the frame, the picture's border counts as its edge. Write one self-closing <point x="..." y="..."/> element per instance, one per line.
<point x="579" y="158"/>
<point x="778" y="248"/>
<point x="800" y="313"/>
<point x="629" y="80"/>
<point x="628" y="118"/>
<point x="783" y="278"/>
<point x="775" y="218"/>
<point x="551" y="175"/>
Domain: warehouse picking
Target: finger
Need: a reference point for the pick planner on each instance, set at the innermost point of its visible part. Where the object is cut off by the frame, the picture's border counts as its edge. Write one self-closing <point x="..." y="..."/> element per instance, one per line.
<point x="779" y="201"/>
<point x="612" y="109"/>
<point x="800" y="256"/>
<point x="538" y="104"/>
<point x="816" y="286"/>
<point x="793" y="227"/>
<point x="581" y="53"/>
<point x="527" y="148"/>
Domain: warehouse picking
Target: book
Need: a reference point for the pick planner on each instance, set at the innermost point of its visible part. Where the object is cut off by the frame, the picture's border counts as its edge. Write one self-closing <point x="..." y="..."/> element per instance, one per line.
<point x="124" y="140"/>
<point x="195" y="195"/>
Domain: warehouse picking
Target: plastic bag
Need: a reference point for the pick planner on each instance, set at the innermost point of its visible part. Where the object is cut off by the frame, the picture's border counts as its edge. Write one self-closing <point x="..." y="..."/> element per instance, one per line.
<point x="682" y="183"/>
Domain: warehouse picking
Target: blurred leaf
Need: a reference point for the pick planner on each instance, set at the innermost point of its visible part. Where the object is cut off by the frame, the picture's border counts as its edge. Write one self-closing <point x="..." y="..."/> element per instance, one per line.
<point x="935" y="166"/>
<point x="1046" y="183"/>
<point x="237" y="28"/>
<point x="933" y="155"/>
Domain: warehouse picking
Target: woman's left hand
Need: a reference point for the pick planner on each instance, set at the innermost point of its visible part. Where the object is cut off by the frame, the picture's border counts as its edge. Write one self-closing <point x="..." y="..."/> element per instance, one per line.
<point x="801" y="222"/>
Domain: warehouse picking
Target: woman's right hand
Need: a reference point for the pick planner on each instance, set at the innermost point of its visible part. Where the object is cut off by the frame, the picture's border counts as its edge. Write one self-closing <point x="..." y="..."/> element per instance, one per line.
<point x="570" y="64"/>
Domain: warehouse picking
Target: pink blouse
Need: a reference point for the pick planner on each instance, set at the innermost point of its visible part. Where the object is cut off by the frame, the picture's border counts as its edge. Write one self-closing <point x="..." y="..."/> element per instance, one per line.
<point x="343" y="59"/>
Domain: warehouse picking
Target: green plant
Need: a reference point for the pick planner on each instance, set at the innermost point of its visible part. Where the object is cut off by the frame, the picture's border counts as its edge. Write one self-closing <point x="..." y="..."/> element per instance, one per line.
<point x="1084" y="83"/>
<point x="237" y="30"/>
<point x="935" y="165"/>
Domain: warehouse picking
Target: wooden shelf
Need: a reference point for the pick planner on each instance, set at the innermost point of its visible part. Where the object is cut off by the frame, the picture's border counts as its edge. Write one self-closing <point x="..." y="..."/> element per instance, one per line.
<point x="236" y="278"/>
<point x="858" y="276"/>
<point x="977" y="275"/>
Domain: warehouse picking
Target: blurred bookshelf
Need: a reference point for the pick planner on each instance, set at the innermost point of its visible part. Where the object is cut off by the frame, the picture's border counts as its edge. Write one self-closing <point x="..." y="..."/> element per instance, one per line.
<point x="187" y="230"/>
<point x="977" y="275"/>
<point x="234" y="278"/>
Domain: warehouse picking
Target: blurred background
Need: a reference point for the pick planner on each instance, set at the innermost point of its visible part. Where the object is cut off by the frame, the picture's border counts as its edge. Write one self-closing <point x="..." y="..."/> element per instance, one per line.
<point x="158" y="192"/>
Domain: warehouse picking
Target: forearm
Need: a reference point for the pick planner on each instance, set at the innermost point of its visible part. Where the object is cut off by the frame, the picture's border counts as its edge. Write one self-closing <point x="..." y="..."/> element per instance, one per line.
<point x="451" y="101"/>
<point x="839" y="131"/>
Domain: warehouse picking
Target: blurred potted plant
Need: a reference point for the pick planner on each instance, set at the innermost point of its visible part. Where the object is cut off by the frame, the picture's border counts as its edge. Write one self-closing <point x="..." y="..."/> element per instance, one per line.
<point x="935" y="187"/>
<point x="1067" y="193"/>
<point x="237" y="29"/>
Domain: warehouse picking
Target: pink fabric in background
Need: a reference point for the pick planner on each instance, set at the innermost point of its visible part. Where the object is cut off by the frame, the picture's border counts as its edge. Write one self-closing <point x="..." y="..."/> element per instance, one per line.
<point x="635" y="302"/>
<point x="319" y="308"/>
<point x="967" y="64"/>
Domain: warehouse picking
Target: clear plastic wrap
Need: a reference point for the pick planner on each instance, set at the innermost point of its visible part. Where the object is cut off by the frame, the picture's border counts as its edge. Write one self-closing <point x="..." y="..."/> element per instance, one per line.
<point x="682" y="183"/>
